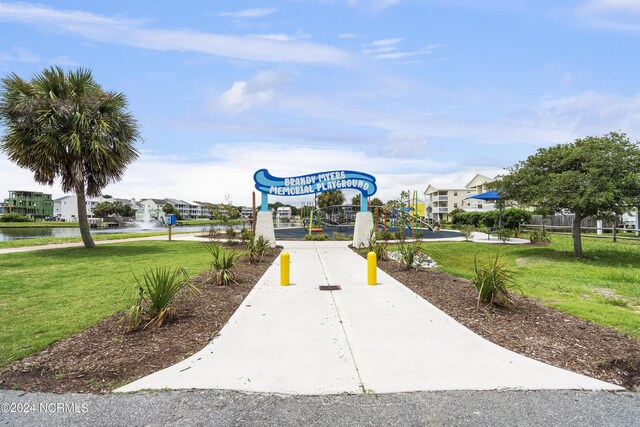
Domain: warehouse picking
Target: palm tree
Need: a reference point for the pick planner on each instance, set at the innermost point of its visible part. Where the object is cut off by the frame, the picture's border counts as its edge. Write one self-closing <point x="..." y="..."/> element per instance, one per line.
<point x="64" y="125"/>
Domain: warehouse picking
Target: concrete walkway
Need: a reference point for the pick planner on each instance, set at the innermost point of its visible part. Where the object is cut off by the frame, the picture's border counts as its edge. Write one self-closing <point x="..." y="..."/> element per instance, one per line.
<point x="382" y="339"/>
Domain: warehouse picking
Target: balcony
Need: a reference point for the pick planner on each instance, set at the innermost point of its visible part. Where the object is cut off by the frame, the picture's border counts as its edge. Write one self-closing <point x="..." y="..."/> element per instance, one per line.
<point x="440" y="198"/>
<point x="439" y="209"/>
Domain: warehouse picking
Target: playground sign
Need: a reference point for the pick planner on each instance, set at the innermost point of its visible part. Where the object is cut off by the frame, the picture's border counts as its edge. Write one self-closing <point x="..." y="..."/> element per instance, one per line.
<point x="319" y="182"/>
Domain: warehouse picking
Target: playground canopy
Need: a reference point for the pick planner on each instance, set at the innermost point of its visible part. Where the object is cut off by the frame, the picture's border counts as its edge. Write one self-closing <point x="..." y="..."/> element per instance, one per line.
<point x="489" y="196"/>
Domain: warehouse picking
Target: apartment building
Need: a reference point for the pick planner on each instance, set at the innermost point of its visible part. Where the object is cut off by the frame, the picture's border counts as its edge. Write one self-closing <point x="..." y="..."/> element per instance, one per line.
<point x="441" y="200"/>
<point x="66" y="207"/>
<point x="29" y="203"/>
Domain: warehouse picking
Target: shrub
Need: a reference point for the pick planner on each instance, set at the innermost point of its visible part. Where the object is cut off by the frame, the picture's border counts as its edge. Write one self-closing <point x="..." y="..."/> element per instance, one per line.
<point x="504" y="234"/>
<point x="379" y="248"/>
<point x="231" y="233"/>
<point x="316" y="237"/>
<point x="256" y="248"/>
<point x="493" y="283"/>
<point x="223" y="264"/>
<point x="384" y="235"/>
<point x="14" y="217"/>
<point x="156" y="292"/>
<point x="467" y="231"/>
<point x="408" y="254"/>
<point x="539" y="236"/>
<point x="418" y="234"/>
<point x="400" y="234"/>
<point x="511" y="218"/>
<point x="339" y="236"/>
<point x="246" y="235"/>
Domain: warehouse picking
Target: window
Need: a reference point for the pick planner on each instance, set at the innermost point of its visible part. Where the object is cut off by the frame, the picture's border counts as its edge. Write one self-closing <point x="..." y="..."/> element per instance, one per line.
<point x="455" y="193"/>
<point x="455" y="205"/>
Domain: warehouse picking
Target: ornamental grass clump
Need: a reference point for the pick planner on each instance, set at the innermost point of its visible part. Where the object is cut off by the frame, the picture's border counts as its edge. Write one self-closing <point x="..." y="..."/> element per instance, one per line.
<point x="408" y="255"/>
<point x="493" y="283"/>
<point x="377" y="247"/>
<point x="256" y="248"/>
<point x="155" y="293"/>
<point x="223" y="264"/>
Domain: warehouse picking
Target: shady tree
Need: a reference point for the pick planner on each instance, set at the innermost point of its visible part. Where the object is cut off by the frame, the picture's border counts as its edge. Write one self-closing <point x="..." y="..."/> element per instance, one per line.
<point x="593" y="176"/>
<point x="64" y="125"/>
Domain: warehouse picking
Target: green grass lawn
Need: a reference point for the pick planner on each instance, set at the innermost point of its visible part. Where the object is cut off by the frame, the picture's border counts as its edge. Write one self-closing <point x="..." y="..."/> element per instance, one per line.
<point x="38" y="224"/>
<point x="48" y="295"/>
<point x="40" y="241"/>
<point x="604" y="287"/>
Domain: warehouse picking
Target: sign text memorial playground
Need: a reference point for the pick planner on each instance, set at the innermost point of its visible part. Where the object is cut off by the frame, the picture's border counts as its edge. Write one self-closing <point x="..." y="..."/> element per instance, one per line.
<point x="315" y="183"/>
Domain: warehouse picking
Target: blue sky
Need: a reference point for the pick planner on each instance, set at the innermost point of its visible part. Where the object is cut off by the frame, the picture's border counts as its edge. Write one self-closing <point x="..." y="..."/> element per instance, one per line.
<point x="414" y="92"/>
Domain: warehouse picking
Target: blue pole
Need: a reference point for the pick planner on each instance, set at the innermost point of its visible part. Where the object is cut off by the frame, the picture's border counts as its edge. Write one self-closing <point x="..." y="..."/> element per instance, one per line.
<point x="265" y="203"/>
<point x="363" y="203"/>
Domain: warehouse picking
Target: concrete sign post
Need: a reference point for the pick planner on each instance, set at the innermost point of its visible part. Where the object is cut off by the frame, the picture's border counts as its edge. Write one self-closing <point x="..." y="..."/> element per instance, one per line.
<point x="320" y="182"/>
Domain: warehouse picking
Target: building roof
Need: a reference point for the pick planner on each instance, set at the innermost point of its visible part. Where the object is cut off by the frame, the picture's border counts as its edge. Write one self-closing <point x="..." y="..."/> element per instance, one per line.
<point x="479" y="179"/>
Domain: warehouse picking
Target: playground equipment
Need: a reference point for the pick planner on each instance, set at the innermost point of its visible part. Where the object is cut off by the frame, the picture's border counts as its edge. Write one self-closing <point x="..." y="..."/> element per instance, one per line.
<point x="344" y="215"/>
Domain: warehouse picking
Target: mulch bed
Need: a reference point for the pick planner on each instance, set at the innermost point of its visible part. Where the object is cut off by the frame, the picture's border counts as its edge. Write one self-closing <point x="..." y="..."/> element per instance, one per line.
<point x="106" y="356"/>
<point x="530" y="328"/>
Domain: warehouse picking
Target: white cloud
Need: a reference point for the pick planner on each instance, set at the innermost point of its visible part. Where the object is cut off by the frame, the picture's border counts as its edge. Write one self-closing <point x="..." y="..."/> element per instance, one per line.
<point x="388" y="49"/>
<point x="244" y="95"/>
<point x="386" y="42"/>
<point x="588" y="113"/>
<point x="615" y="15"/>
<point x="229" y="170"/>
<point x="281" y="36"/>
<point x="19" y="55"/>
<point x="372" y="5"/>
<point x="250" y="13"/>
<point x="349" y="36"/>
<point x="632" y="6"/>
<point x="134" y="33"/>
<point x="64" y="61"/>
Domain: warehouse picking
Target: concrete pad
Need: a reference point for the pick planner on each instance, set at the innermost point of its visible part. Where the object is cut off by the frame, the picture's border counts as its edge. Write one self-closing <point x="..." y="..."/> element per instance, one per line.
<point x="382" y="338"/>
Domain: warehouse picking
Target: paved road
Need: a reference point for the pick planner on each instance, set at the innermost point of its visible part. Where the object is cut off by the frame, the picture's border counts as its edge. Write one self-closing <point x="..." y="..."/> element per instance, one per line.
<point x="228" y="408"/>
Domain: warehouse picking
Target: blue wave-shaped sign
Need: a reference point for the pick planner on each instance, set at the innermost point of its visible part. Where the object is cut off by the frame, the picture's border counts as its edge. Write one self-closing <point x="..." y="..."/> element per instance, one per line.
<point x="314" y="183"/>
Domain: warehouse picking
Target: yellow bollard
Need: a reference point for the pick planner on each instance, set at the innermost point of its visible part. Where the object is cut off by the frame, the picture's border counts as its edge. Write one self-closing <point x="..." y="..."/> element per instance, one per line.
<point x="372" y="273"/>
<point x="284" y="269"/>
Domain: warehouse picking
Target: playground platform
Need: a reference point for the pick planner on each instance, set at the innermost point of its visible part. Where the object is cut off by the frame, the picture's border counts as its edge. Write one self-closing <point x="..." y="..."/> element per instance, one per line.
<point x="299" y="339"/>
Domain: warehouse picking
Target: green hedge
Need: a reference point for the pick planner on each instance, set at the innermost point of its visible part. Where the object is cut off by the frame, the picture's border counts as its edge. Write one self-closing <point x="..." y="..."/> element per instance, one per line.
<point x="511" y="218"/>
<point x="14" y="217"/>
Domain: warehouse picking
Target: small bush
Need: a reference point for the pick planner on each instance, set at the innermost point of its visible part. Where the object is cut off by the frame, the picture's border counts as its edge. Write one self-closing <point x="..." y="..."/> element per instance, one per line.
<point x="223" y="264"/>
<point x="493" y="283"/>
<point x="155" y="293"/>
<point x="539" y="236"/>
<point x="256" y="248"/>
<point x="504" y="234"/>
<point x="400" y="235"/>
<point x="339" y="236"/>
<point x="384" y="235"/>
<point x="14" y="217"/>
<point x="246" y="235"/>
<point x="231" y="233"/>
<point x="316" y="237"/>
<point x="379" y="248"/>
<point x="467" y="231"/>
<point x="419" y="234"/>
<point x="408" y="254"/>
